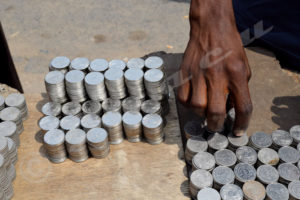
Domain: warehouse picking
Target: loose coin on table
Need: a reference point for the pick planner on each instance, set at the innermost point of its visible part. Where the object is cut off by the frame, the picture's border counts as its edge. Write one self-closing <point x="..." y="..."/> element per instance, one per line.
<point x="294" y="189"/>
<point x="222" y="176"/>
<point x="137" y="63"/>
<point x="254" y="190"/>
<point x="98" y="65"/>
<point x="295" y="133"/>
<point x="60" y="63"/>
<point x="80" y="63"/>
<point x="289" y="155"/>
<point x="52" y="109"/>
<point x="246" y="154"/>
<point x="153" y="128"/>
<point x="267" y="156"/>
<point x="281" y="139"/>
<point x="208" y="194"/>
<point x="231" y="192"/>
<point x="200" y="179"/>
<point x="132" y="123"/>
<point x="69" y="122"/>
<point x="225" y="157"/>
<point x="203" y="160"/>
<point x="91" y="107"/>
<point x="217" y="141"/>
<point x="267" y="174"/>
<point x="277" y="191"/>
<point x="112" y="122"/>
<point x="111" y="105"/>
<point x="76" y="145"/>
<point x="194" y="146"/>
<point x="244" y="172"/>
<point x="260" y="140"/>
<point x="288" y="173"/>
<point x="55" y="86"/>
<point x="90" y="121"/>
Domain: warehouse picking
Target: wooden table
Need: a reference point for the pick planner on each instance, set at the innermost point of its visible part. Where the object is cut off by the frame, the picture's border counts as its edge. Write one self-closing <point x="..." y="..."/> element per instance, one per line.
<point x="131" y="171"/>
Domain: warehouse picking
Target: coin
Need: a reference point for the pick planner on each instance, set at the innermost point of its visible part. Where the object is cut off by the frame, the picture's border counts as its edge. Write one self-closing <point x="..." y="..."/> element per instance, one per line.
<point x="236" y="142"/>
<point x="69" y="122"/>
<point x="267" y="174"/>
<point x="95" y="87"/>
<point x="76" y="145"/>
<point x="9" y="129"/>
<point x="225" y="157"/>
<point x="153" y="128"/>
<point x="151" y="107"/>
<point x="111" y="105"/>
<point x="60" y="63"/>
<point x="12" y="151"/>
<point x="90" y="121"/>
<point x="289" y="155"/>
<point x="193" y="146"/>
<point x="131" y="104"/>
<point x="91" y="106"/>
<point x="277" y="191"/>
<point x="222" y="176"/>
<point x="18" y="100"/>
<point x="13" y="114"/>
<point x="231" y="192"/>
<point x="199" y="179"/>
<point x="55" y="86"/>
<point x="75" y="85"/>
<point x="72" y="108"/>
<point x="208" y="193"/>
<point x="203" y="160"/>
<point x="54" y="144"/>
<point x="132" y="123"/>
<point x="295" y="133"/>
<point x="137" y="63"/>
<point x="247" y="155"/>
<point x="193" y="129"/>
<point x="155" y="84"/>
<point x="80" y="63"/>
<point x="267" y="156"/>
<point x="254" y="190"/>
<point x="52" y="109"/>
<point x="260" y="140"/>
<point x="294" y="189"/>
<point x="217" y="141"/>
<point x="135" y="82"/>
<point x="2" y="103"/>
<point x="48" y="123"/>
<point x="288" y="173"/>
<point x="154" y="62"/>
<point x="98" y="65"/>
<point x="112" y="123"/>
<point x="117" y="64"/>
<point x="281" y="139"/>
<point x="98" y="145"/>
<point x="114" y="81"/>
<point x="244" y="172"/>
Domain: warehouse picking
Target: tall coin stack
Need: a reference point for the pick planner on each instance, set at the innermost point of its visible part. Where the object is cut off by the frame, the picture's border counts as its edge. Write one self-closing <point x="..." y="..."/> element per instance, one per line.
<point x="112" y="122"/>
<point x="55" y="147"/>
<point x="132" y="123"/>
<point x="55" y="86"/>
<point x="95" y="87"/>
<point x="98" y="144"/>
<point x="155" y="84"/>
<point x="76" y="145"/>
<point x="13" y="114"/>
<point x="135" y="82"/>
<point x="75" y="85"/>
<point x="114" y="81"/>
<point x="12" y="151"/>
<point x="153" y="128"/>
<point x="60" y="63"/>
<point x="18" y="100"/>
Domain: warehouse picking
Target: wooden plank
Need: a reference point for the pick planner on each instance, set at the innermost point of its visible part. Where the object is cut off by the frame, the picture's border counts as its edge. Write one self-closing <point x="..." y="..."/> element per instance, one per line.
<point x="131" y="171"/>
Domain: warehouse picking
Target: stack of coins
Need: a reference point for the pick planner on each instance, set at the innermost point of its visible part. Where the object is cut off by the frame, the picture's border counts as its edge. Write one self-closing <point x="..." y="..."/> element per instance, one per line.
<point x="295" y="133"/>
<point x="217" y="141"/>
<point x="254" y="190"/>
<point x="13" y="114"/>
<point x="18" y="100"/>
<point x="203" y="160"/>
<point x="91" y="107"/>
<point x="80" y="63"/>
<point x="2" y="103"/>
<point x="267" y="156"/>
<point x="60" y="63"/>
<point x="72" y="108"/>
<point x="288" y="173"/>
<point x="98" y="65"/>
<point x="112" y="122"/>
<point x="4" y="150"/>
<point x="95" y="87"/>
<point x="52" y="109"/>
<point x="48" y="123"/>
<point x="154" y="62"/>
<point x="70" y="122"/>
<point x="153" y="128"/>
<point x="222" y="176"/>
<point x="277" y="191"/>
<point x="9" y="129"/>
<point x="5" y="182"/>
<point x="136" y="63"/>
<point x="199" y="180"/>
<point x="134" y="82"/>
<point x="90" y="121"/>
<point x="55" y="147"/>
<point x="235" y="142"/>
<point x="260" y="140"/>
<point x="247" y="155"/>
<point x="97" y="140"/>
<point x="208" y="193"/>
<point x="194" y="146"/>
<point x="132" y="123"/>
<point x="294" y="189"/>
<point x="244" y="172"/>
<point x="114" y="81"/>
<point x="231" y="192"/>
<point x="225" y="157"/>
<point x="281" y="139"/>
<point x="12" y="151"/>
<point x="75" y="86"/>
<point x="193" y="129"/>
<point x="55" y="86"/>
<point x="131" y="104"/>
<point x="76" y="145"/>
<point x="111" y="105"/>
<point x="117" y="64"/>
<point x="288" y="155"/>
<point x="151" y="107"/>
<point x="155" y="84"/>
<point x="267" y="174"/>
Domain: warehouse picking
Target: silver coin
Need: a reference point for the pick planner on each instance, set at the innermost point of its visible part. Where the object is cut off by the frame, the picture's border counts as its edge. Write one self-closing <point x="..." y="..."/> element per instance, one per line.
<point x="98" y="142"/>
<point x="295" y="133"/>
<point x="204" y="160"/>
<point x="132" y="122"/>
<point x="193" y="146"/>
<point x="117" y="64"/>
<point x="90" y="121"/>
<point x="193" y="129"/>
<point x="225" y="157"/>
<point x="96" y="135"/>
<point x="71" y="108"/>
<point x="48" y="123"/>
<point x="60" y="63"/>
<point x="3" y="145"/>
<point x="75" y="137"/>
<point x="112" y="119"/>
<point x="152" y="121"/>
<point x="54" y="137"/>
<point x="80" y="63"/>
<point x="153" y="128"/>
<point x="281" y="138"/>
<point x="134" y="82"/>
<point x="288" y="173"/>
<point x="76" y="145"/>
<point x="208" y="194"/>
<point x="114" y="81"/>
<point x="8" y="129"/>
<point x="154" y="62"/>
<point x="294" y="189"/>
<point x="247" y="155"/>
<point x="2" y="102"/>
<point x="277" y="191"/>
<point x="131" y="104"/>
<point x="99" y="65"/>
<point x="267" y="174"/>
<point x="231" y="192"/>
<point x="10" y="114"/>
<point x="54" y="77"/>
<point x="52" y="109"/>
<point x="236" y="142"/>
<point x="289" y="155"/>
<point x="15" y="100"/>
<point x="69" y="122"/>
<point x="223" y="175"/>
<point x="201" y="179"/>
<point x="137" y="63"/>
<point x="254" y="190"/>
<point x="244" y="172"/>
<point x="75" y="85"/>
<point x="153" y="76"/>
<point x="268" y="156"/>
<point x="112" y="122"/>
<point x="151" y="107"/>
<point x="260" y="140"/>
<point x="111" y="105"/>
<point x="95" y="87"/>
<point x="217" y="141"/>
<point x="91" y="106"/>
<point x="55" y="86"/>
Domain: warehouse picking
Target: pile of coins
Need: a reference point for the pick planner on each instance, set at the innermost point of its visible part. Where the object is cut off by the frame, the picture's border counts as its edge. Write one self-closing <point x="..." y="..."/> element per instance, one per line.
<point x="153" y="128"/>
<point x="55" y="86"/>
<point x="256" y="168"/>
<point x="98" y="144"/>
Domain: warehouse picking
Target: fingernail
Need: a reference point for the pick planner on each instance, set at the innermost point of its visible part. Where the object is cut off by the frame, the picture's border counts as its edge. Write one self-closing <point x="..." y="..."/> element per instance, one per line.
<point x="239" y="132"/>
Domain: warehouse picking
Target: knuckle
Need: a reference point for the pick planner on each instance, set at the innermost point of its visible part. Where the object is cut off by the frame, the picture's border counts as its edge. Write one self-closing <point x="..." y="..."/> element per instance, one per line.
<point x="199" y="104"/>
<point x="246" y="109"/>
<point x="216" y="114"/>
<point x="237" y="67"/>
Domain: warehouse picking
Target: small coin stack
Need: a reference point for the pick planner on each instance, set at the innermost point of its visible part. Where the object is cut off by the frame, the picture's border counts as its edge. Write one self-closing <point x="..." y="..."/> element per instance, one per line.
<point x="295" y="133"/>
<point x="17" y="100"/>
<point x="9" y="129"/>
<point x="90" y="121"/>
<point x="76" y="145"/>
<point x="91" y="107"/>
<point x="193" y="129"/>
<point x="13" y="114"/>
<point x="132" y="123"/>
<point x="136" y="63"/>
<point x="48" y="123"/>
<point x="95" y="87"/>
<point x="54" y="143"/>
<point x="247" y="155"/>
<point x="199" y="179"/>
<point x="153" y="128"/>
<point x="217" y="141"/>
<point x="131" y="104"/>
<point x="260" y="140"/>
<point x="194" y="146"/>
<point x="69" y="122"/>
<point x="52" y="109"/>
<point x="60" y="63"/>
<point x="288" y="155"/>
<point x="288" y="173"/>
<point x="98" y="144"/>
<point x="231" y="192"/>
<point x="236" y="142"/>
<point x="117" y="64"/>
<point x="72" y="108"/>
<point x="203" y="160"/>
<point x="277" y="191"/>
<point x="154" y="62"/>
<point x="222" y="176"/>
<point x="80" y="63"/>
<point x="114" y="81"/>
<point x="208" y="193"/>
<point x="12" y="151"/>
<point x="112" y="122"/>
<point x="134" y="82"/>
<point x="75" y="85"/>
<point x="267" y="156"/>
<point x="98" y="65"/>
<point x="111" y="105"/>
<point x="294" y="189"/>
<point x="225" y="157"/>
<point x="55" y="86"/>
<point x="267" y="174"/>
<point x="281" y="139"/>
<point x="155" y="84"/>
<point x="151" y="107"/>
<point x="254" y="190"/>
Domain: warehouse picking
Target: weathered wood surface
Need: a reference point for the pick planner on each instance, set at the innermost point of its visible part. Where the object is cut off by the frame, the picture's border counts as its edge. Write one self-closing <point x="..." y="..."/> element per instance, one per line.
<point x="131" y="171"/>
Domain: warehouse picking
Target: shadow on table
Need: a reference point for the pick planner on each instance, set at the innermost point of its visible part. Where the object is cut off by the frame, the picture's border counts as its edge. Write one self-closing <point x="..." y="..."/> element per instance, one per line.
<point x="287" y="111"/>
